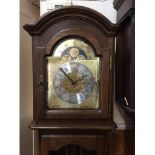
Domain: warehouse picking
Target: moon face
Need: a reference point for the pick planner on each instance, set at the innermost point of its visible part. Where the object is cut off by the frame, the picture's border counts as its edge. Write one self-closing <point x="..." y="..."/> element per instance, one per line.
<point x="73" y="82"/>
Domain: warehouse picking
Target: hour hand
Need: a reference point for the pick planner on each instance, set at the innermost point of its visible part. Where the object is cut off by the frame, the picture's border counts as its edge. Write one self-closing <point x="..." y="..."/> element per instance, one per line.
<point x="67" y="76"/>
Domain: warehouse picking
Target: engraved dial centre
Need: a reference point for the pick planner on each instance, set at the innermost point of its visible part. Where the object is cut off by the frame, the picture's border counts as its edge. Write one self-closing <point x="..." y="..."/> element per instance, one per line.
<point x="73" y="87"/>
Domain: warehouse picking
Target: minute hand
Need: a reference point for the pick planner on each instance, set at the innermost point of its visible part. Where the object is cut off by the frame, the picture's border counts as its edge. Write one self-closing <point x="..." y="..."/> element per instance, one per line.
<point x="80" y="79"/>
<point x="67" y="76"/>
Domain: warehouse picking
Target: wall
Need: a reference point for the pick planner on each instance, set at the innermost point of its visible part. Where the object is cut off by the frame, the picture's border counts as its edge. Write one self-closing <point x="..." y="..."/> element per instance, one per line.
<point x="28" y="14"/>
<point x="105" y="8"/>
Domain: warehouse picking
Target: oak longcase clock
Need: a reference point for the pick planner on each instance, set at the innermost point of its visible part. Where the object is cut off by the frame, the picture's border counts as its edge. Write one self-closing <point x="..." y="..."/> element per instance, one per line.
<point x="72" y="81"/>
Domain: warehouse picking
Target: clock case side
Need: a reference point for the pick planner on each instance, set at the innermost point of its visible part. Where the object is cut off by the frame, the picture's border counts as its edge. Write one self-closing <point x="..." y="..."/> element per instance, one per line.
<point x="69" y="22"/>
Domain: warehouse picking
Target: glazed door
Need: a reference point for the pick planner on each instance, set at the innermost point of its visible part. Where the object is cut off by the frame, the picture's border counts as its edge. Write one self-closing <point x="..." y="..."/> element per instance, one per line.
<point x="72" y="145"/>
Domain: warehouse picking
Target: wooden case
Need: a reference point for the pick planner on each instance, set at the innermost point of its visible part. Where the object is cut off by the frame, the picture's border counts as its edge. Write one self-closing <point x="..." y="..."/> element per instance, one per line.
<point x="99" y="32"/>
<point x="125" y="56"/>
<point x="52" y="28"/>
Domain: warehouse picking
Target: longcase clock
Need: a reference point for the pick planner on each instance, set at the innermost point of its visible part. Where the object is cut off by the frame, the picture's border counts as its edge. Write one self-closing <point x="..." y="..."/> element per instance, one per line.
<point x="73" y="51"/>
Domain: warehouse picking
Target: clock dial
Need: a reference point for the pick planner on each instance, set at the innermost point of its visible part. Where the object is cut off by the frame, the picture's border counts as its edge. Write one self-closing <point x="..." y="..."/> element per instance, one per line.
<point x="73" y="82"/>
<point x="73" y="75"/>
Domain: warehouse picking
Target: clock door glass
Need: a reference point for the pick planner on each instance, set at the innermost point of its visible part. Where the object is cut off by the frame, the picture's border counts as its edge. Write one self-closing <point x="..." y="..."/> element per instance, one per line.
<point x="73" y="76"/>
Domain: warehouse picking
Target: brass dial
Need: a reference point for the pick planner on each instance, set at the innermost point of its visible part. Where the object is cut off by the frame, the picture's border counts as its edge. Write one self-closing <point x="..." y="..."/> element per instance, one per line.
<point x="73" y="82"/>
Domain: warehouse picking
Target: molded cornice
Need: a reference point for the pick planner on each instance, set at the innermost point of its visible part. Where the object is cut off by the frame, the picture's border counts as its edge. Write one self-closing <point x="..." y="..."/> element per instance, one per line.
<point x="72" y="12"/>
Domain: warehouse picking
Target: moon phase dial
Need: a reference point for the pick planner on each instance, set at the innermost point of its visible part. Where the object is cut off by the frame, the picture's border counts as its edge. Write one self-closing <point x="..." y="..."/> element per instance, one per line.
<point x="73" y="82"/>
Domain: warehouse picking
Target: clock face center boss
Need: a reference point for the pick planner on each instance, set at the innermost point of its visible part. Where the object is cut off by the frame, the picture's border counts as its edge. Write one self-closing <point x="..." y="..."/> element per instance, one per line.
<point x="73" y="76"/>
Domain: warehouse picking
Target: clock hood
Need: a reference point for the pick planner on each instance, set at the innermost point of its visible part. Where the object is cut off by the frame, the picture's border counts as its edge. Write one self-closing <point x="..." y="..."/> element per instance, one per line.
<point x="72" y="12"/>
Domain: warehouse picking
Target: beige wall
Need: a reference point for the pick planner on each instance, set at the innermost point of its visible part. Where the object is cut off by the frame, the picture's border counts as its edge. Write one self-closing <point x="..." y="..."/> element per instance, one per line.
<point x="28" y="14"/>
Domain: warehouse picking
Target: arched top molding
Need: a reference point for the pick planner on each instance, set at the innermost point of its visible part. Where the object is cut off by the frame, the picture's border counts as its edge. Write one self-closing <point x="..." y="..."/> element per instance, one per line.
<point x="68" y="13"/>
<point x="81" y="34"/>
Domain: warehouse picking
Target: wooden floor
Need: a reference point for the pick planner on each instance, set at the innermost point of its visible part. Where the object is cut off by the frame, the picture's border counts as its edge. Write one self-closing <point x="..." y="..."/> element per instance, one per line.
<point x="124" y="142"/>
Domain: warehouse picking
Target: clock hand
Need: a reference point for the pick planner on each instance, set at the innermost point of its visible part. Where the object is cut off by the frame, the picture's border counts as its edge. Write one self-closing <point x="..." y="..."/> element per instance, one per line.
<point x="67" y="76"/>
<point x="80" y="79"/>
